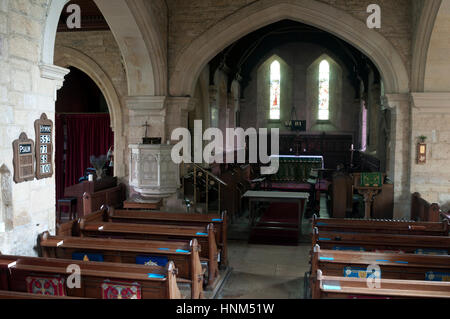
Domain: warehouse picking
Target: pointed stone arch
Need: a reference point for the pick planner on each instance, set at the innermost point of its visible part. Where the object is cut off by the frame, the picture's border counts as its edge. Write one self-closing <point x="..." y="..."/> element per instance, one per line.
<point x="257" y="15"/>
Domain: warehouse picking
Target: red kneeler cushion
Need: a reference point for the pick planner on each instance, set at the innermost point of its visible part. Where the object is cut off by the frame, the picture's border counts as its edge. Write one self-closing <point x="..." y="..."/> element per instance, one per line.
<point x="50" y="286"/>
<point x="120" y="290"/>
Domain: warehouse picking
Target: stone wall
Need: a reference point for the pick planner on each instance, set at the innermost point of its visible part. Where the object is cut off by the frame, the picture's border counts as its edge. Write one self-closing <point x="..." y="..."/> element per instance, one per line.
<point x="430" y="118"/>
<point x="189" y="19"/>
<point x="27" y="208"/>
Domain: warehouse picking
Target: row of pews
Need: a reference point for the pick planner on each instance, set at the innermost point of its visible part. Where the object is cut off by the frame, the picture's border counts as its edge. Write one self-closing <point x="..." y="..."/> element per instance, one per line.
<point x="378" y="259"/>
<point x="123" y="254"/>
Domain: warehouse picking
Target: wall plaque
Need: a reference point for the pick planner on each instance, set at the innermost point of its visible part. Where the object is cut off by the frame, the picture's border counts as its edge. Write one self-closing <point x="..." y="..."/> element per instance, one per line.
<point x="44" y="147"/>
<point x="23" y="160"/>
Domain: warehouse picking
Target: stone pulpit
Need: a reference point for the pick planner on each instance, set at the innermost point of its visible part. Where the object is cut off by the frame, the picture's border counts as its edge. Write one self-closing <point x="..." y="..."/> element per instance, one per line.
<point x="153" y="174"/>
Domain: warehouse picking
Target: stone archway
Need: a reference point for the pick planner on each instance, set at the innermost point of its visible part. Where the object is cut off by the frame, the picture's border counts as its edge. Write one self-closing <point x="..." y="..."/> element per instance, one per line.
<point x="65" y="57"/>
<point x="142" y="50"/>
<point x="421" y="43"/>
<point x="189" y="63"/>
<point x="255" y="16"/>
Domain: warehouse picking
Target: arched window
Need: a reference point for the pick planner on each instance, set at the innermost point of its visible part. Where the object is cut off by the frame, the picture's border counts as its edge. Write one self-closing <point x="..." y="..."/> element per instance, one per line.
<point x="324" y="91"/>
<point x="275" y="89"/>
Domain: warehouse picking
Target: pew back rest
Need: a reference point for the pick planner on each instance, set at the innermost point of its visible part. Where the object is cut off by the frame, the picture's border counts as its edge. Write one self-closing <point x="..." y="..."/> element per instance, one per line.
<point x="421" y="210"/>
<point x="382" y="226"/>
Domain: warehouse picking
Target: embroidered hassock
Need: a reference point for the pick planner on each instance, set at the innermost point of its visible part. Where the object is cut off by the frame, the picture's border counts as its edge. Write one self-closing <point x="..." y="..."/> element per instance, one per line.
<point x="152" y="261"/>
<point x="50" y="286"/>
<point x="120" y="290"/>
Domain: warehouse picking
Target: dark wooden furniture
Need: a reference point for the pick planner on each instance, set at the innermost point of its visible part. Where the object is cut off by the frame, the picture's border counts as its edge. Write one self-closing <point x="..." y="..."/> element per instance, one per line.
<point x="71" y="205"/>
<point x="93" y="275"/>
<point x="185" y="255"/>
<point x="421" y="210"/>
<point x="334" y="148"/>
<point x="341" y="195"/>
<point x="277" y="197"/>
<point x="97" y="193"/>
<point x="337" y="287"/>
<point x="29" y="296"/>
<point x="205" y="235"/>
<point x="392" y="266"/>
<point x="133" y="204"/>
<point x="183" y="219"/>
<point x="409" y="244"/>
<point x="382" y="226"/>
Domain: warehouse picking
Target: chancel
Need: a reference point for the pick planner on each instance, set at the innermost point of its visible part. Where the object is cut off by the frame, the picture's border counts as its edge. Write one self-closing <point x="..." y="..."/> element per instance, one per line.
<point x="355" y="101"/>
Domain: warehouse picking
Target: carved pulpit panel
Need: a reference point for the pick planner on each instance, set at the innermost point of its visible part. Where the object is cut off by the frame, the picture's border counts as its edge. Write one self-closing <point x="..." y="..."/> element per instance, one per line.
<point x="44" y="147"/>
<point x="23" y="160"/>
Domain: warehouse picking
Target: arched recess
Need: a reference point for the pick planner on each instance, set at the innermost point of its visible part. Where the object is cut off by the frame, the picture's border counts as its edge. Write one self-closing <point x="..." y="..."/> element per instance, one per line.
<point x="65" y="57"/>
<point x="132" y="38"/>
<point x="421" y="43"/>
<point x="261" y="13"/>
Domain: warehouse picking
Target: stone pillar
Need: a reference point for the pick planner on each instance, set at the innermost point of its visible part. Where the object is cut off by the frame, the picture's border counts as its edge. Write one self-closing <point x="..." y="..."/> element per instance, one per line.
<point x="399" y="150"/>
<point x="177" y="113"/>
<point x="150" y="109"/>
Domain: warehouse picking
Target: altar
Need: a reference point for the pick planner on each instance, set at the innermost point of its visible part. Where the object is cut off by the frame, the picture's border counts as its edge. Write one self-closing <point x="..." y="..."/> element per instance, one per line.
<point x="295" y="169"/>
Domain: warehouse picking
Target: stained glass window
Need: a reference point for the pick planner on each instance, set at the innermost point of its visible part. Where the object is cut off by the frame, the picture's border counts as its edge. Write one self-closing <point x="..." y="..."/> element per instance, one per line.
<point x="324" y="90"/>
<point x="275" y="88"/>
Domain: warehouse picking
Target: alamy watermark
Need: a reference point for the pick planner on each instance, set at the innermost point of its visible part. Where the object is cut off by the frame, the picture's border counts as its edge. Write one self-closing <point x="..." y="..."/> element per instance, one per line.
<point x="235" y="140"/>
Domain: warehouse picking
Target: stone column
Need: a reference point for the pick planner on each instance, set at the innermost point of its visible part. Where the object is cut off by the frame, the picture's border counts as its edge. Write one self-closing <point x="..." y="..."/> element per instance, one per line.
<point x="177" y="113"/>
<point x="399" y="152"/>
<point x="150" y="109"/>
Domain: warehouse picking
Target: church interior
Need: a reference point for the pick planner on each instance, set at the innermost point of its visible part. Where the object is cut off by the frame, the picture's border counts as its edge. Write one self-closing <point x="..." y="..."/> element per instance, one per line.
<point x="349" y="100"/>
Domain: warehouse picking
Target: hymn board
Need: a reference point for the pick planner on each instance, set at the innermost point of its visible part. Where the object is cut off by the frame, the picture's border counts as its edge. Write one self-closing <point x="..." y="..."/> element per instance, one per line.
<point x="27" y="154"/>
<point x="23" y="159"/>
<point x="44" y="147"/>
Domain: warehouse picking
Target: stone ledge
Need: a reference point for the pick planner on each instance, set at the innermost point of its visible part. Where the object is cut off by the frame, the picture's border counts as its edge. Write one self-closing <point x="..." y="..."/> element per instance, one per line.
<point x="431" y="102"/>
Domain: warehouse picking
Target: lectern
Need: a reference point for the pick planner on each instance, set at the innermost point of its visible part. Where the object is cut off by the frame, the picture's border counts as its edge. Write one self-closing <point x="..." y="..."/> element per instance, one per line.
<point x="368" y="185"/>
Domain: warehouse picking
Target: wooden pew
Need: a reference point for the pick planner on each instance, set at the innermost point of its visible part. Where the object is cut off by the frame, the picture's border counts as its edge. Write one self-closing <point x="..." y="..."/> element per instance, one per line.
<point x="25" y="295"/>
<point x="154" y="282"/>
<point x="391" y="265"/>
<point x="152" y="217"/>
<point x="185" y="255"/>
<point x="409" y="244"/>
<point x="113" y="197"/>
<point x="205" y="236"/>
<point x="337" y="287"/>
<point x="421" y="210"/>
<point x="381" y="226"/>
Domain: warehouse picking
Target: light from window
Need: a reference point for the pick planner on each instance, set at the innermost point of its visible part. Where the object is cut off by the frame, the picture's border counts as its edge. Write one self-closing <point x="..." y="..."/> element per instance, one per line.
<point x="324" y="91"/>
<point x="364" y="128"/>
<point x="275" y="88"/>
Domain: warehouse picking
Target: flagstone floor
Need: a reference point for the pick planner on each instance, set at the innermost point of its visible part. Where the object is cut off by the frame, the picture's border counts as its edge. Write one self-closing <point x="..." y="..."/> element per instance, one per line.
<point x="266" y="271"/>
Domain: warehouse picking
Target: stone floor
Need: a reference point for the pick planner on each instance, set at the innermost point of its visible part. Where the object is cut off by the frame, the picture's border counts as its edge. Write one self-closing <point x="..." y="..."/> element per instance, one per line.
<point x="266" y="271"/>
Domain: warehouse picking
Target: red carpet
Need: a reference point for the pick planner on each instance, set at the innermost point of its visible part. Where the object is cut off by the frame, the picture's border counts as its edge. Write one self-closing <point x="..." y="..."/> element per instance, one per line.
<point x="277" y="226"/>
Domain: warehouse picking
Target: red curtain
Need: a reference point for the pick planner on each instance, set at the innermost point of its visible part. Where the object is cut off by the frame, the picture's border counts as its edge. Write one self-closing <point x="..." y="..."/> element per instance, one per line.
<point x="59" y="155"/>
<point x="86" y="135"/>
